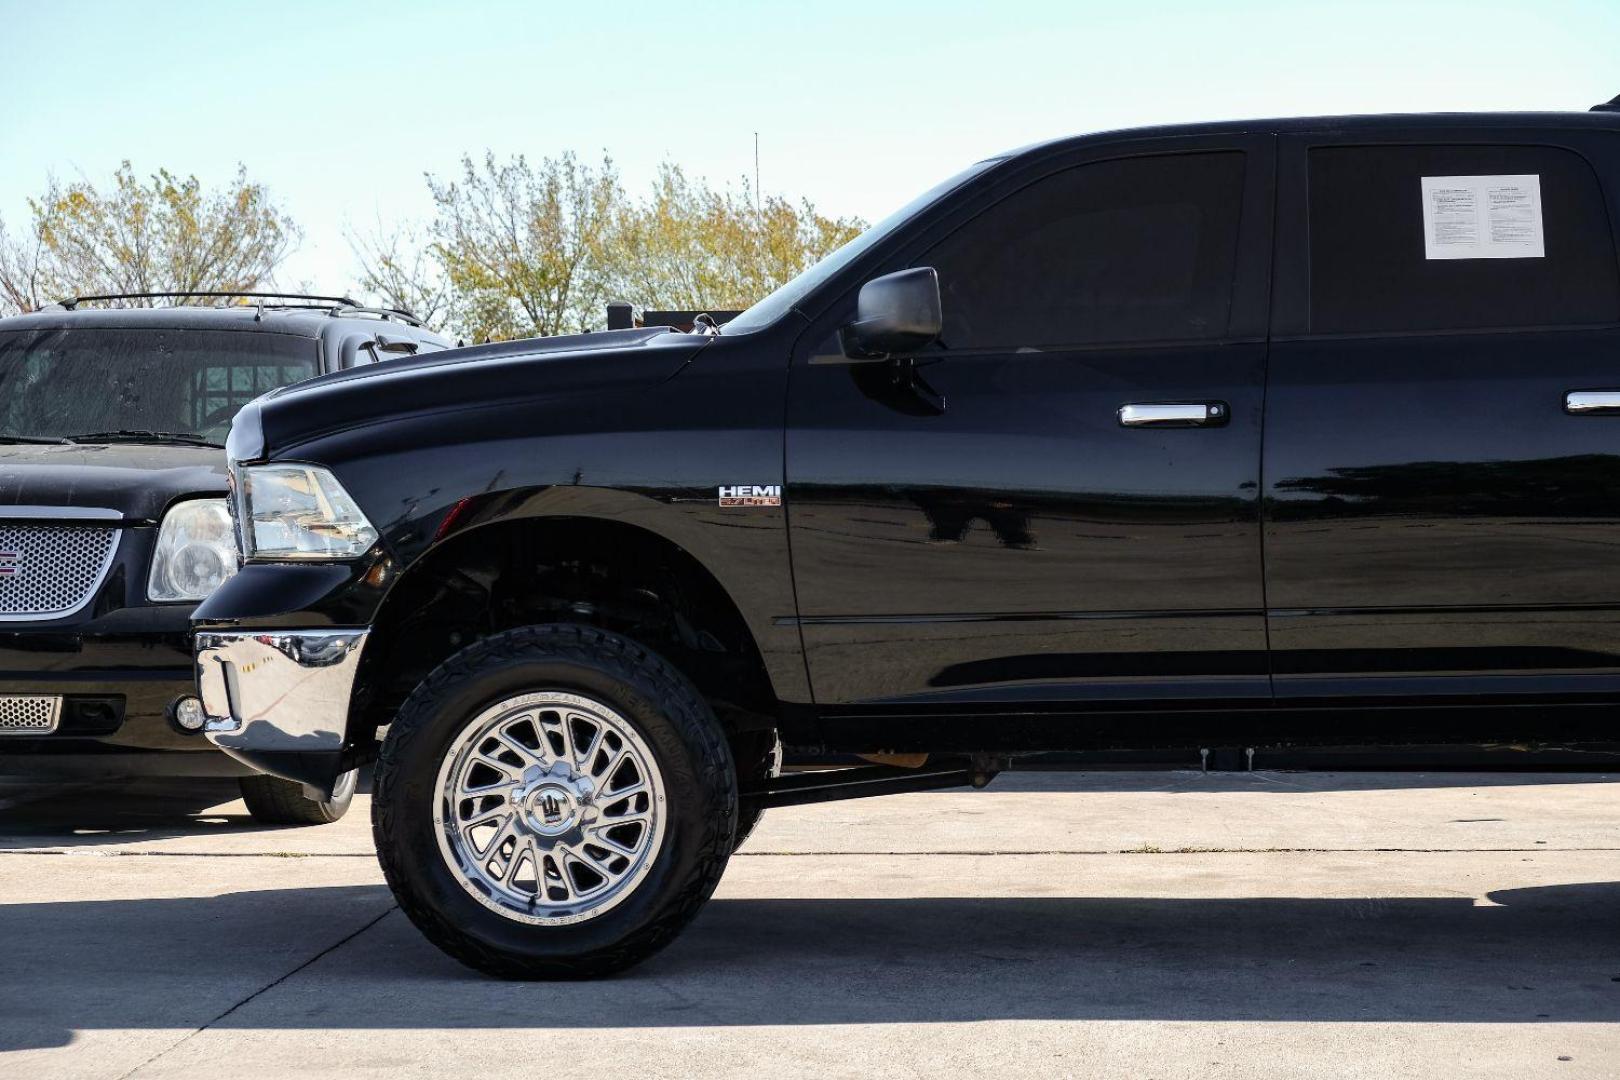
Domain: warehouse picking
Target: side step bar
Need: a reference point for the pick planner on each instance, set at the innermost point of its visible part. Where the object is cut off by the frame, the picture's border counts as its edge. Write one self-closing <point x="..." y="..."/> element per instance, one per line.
<point x="864" y="781"/>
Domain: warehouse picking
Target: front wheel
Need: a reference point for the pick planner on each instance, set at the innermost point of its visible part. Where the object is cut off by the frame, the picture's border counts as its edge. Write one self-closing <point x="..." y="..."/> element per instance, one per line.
<point x="272" y="800"/>
<point x="554" y="802"/>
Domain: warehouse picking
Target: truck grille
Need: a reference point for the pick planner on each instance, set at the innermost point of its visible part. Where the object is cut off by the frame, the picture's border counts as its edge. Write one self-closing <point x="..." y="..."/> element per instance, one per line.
<point x="26" y="715"/>
<point x="48" y="570"/>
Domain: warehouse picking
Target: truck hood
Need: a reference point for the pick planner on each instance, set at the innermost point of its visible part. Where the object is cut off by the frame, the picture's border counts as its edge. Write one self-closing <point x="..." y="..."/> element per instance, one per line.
<point x="137" y="480"/>
<point x="537" y="368"/>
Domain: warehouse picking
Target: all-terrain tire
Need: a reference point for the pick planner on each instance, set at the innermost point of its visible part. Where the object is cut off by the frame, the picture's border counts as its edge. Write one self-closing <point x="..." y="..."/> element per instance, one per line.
<point x="666" y="710"/>
<point x="274" y="801"/>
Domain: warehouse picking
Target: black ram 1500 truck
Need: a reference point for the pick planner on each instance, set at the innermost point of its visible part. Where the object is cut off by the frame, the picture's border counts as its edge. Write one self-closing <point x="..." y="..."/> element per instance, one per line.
<point x="1264" y="435"/>
<point x="113" y="522"/>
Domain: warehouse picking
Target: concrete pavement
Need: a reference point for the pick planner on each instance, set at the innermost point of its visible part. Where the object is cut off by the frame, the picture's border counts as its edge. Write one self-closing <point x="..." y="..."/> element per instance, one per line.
<point x="1142" y="924"/>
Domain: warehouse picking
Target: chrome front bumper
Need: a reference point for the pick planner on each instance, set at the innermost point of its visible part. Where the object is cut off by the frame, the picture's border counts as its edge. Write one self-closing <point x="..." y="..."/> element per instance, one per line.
<point x="277" y="691"/>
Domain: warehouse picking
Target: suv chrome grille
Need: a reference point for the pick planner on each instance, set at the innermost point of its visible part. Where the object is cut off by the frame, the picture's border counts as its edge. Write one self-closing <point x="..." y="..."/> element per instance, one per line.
<point x="49" y="570"/>
<point x="22" y="714"/>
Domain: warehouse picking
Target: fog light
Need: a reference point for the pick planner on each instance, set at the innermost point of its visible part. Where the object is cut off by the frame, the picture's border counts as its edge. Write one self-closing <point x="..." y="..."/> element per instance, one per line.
<point x="188" y="714"/>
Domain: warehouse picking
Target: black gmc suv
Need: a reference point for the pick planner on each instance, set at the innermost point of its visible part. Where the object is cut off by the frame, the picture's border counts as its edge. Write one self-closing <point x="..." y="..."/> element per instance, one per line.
<point x="1262" y="436"/>
<point x="113" y="522"/>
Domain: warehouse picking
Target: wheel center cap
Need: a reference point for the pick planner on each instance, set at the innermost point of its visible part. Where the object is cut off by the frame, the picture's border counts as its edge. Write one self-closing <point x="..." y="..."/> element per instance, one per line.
<point x="551" y="809"/>
<point x="553" y="802"/>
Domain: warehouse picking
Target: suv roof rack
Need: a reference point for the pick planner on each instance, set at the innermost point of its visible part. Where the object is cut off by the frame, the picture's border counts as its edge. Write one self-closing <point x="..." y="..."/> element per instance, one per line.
<point x="1612" y="105"/>
<point x="407" y="317"/>
<point x="333" y="305"/>
<point x="74" y="301"/>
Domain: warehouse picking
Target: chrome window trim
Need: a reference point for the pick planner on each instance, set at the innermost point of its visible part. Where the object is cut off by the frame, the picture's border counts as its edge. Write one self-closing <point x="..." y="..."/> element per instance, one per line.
<point x="47" y="515"/>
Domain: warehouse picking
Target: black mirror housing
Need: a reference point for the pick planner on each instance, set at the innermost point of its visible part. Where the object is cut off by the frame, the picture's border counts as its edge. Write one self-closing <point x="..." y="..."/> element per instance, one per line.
<point x="895" y="314"/>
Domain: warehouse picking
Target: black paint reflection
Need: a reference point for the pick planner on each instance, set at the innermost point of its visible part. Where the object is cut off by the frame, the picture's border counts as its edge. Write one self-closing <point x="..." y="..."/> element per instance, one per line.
<point x="950" y="516"/>
<point x="1582" y="485"/>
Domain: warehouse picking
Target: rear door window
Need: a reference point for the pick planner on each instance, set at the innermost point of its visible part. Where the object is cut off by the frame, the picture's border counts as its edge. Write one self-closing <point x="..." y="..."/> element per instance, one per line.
<point x="1375" y="266"/>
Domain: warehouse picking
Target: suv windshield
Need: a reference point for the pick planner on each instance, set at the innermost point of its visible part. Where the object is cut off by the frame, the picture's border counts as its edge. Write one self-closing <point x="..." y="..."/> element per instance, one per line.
<point x="137" y="385"/>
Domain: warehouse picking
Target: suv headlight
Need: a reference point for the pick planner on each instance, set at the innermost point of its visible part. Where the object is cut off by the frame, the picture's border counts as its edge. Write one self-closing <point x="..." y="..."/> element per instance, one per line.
<point x="195" y="551"/>
<point x="299" y="512"/>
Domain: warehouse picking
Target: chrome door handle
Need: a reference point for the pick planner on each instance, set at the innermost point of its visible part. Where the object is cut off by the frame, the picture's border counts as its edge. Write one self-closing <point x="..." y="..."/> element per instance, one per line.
<point x="1592" y="402"/>
<point x="1173" y="414"/>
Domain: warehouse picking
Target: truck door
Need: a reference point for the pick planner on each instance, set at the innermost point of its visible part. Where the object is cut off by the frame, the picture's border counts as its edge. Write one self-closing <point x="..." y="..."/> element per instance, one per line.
<point x="1441" y="508"/>
<point x="1059" y="502"/>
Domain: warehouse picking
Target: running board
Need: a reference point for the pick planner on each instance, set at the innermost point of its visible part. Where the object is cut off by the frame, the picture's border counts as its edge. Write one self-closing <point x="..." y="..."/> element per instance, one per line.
<point x="865" y="781"/>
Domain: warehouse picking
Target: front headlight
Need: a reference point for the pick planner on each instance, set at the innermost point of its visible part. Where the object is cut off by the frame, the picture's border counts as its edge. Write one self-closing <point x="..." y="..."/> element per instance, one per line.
<point x="195" y="551"/>
<point x="299" y="512"/>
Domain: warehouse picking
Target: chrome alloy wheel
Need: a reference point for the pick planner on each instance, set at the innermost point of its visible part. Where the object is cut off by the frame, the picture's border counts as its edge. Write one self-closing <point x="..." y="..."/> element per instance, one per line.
<point x="549" y="808"/>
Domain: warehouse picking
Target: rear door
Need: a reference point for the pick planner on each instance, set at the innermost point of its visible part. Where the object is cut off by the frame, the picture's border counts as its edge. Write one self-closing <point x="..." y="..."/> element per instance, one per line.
<point x="1441" y="519"/>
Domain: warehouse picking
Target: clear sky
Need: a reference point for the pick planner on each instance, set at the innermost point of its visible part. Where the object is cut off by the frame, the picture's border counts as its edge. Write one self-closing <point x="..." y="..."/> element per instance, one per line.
<point x="339" y="108"/>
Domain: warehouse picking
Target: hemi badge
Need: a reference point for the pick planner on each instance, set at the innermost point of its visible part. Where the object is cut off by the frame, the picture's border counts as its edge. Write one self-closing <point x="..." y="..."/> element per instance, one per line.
<point x="751" y="495"/>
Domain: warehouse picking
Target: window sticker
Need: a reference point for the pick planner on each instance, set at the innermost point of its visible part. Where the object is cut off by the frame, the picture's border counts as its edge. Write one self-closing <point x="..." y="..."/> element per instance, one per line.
<point x="1482" y="217"/>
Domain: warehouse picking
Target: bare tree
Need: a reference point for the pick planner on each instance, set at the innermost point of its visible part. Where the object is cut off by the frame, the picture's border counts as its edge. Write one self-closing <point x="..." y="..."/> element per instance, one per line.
<point x="400" y="271"/>
<point x="20" y="286"/>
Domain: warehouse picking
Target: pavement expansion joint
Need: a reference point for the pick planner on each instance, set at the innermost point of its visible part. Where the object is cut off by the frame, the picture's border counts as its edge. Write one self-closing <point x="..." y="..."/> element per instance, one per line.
<point x="336" y="945"/>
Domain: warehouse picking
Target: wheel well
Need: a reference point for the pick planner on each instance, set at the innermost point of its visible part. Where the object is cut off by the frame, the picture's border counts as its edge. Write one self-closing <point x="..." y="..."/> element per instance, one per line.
<point x="604" y="573"/>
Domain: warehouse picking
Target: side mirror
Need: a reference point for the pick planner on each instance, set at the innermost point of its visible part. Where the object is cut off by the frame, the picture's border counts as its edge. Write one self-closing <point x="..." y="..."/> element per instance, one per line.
<point x="895" y="314"/>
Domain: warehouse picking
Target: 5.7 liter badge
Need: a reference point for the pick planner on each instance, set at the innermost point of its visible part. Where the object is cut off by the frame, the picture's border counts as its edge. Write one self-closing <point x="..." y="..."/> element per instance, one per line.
<point x="751" y="495"/>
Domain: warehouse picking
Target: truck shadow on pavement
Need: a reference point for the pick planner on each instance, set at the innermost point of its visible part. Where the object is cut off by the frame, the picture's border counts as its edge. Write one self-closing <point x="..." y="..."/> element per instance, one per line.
<point x="64" y="814"/>
<point x="84" y="813"/>
<point x="349" y="960"/>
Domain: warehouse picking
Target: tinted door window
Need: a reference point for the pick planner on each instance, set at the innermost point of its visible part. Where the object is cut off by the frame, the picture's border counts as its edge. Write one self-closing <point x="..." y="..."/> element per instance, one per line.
<point x="1134" y="250"/>
<point x="1370" y="270"/>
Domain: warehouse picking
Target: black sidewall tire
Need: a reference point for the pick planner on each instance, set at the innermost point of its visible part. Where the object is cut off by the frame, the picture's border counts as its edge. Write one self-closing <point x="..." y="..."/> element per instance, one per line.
<point x="273" y="800"/>
<point x="406" y="793"/>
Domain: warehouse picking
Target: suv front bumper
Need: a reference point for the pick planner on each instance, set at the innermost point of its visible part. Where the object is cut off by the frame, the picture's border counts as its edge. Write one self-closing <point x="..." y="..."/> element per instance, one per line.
<point x="279" y="699"/>
<point x="118" y="673"/>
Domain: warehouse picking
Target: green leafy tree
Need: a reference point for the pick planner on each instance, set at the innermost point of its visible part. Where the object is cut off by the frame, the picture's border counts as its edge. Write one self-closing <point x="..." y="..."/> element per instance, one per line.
<point x="524" y="246"/>
<point x="165" y="232"/>
<point x="691" y="247"/>
<point x="518" y="248"/>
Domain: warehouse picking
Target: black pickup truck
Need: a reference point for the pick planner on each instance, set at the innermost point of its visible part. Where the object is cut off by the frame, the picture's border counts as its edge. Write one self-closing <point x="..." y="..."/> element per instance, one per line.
<point x="1259" y="436"/>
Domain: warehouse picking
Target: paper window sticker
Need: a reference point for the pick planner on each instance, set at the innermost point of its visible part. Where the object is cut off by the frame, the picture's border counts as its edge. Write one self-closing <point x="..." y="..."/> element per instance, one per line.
<point x="1483" y="217"/>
